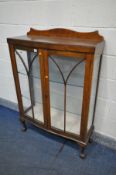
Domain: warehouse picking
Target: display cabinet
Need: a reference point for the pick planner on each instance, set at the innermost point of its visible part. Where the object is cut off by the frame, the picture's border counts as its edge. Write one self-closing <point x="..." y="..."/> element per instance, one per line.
<point x="56" y="75"/>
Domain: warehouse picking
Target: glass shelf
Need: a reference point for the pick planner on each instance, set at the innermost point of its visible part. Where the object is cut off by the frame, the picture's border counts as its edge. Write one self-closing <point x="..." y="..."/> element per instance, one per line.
<point x="33" y="76"/>
<point x="53" y="107"/>
<point x="27" y="98"/>
<point x="53" y="81"/>
<point x="38" y="112"/>
<point x="36" y="107"/>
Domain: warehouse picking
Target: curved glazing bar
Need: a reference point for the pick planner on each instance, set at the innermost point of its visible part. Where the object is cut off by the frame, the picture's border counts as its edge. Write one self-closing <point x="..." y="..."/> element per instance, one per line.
<point x="28" y="70"/>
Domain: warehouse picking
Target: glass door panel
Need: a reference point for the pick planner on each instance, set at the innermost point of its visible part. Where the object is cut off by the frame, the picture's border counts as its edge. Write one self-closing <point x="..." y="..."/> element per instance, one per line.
<point x="74" y="97"/>
<point x="56" y="96"/>
<point x="30" y="83"/>
<point x="66" y="79"/>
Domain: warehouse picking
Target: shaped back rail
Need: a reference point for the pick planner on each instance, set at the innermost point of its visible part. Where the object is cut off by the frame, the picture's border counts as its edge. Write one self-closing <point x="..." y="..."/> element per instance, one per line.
<point x="66" y="33"/>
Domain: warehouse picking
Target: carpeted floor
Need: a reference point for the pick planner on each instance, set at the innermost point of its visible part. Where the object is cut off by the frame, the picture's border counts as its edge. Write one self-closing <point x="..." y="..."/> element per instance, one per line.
<point x="36" y="152"/>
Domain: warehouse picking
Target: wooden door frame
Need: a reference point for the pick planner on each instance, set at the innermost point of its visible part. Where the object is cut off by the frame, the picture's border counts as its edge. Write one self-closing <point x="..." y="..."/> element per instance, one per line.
<point x="16" y="80"/>
<point x="43" y="60"/>
<point x="86" y="93"/>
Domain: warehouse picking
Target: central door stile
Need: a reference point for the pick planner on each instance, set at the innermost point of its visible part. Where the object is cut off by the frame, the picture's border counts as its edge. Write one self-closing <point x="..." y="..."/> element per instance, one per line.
<point x="43" y="60"/>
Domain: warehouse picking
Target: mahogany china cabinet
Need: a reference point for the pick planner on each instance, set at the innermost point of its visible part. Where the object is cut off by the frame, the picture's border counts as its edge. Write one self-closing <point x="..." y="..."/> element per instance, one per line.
<point x="56" y="75"/>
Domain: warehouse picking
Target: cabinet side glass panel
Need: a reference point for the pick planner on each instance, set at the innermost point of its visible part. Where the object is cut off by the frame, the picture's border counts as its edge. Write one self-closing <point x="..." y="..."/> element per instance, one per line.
<point x="30" y="83"/>
<point x="66" y="78"/>
<point x="93" y="90"/>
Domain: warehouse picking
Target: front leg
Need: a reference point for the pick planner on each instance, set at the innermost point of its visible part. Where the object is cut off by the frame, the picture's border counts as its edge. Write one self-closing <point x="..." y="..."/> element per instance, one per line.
<point x="82" y="152"/>
<point x="90" y="140"/>
<point x="24" y="128"/>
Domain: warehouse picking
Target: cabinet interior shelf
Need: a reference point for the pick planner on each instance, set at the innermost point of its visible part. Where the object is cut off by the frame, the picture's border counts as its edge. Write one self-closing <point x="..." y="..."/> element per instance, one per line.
<point x="53" y="81"/>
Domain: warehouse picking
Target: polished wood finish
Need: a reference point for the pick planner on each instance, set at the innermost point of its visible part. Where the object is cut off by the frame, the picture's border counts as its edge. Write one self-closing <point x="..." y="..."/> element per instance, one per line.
<point x="62" y="39"/>
<point x="59" y="42"/>
<point x="43" y="55"/>
<point x="59" y="32"/>
<point x="16" y="79"/>
<point x="42" y="72"/>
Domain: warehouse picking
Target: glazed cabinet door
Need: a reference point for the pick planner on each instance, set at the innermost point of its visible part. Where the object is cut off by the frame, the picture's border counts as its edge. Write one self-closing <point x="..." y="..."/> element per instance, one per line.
<point x="66" y="86"/>
<point x="28" y="69"/>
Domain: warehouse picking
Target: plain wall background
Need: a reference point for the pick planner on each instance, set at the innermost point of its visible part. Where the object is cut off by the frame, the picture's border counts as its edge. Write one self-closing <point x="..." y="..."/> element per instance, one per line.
<point x="16" y="17"/>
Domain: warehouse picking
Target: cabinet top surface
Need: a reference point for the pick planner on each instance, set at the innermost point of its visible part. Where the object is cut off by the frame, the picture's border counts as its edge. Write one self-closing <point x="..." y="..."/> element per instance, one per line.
<point x="62" y="39"/>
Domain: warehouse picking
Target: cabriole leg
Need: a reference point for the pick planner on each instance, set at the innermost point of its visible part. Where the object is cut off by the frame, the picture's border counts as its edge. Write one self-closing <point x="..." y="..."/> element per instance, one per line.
<point x="82" y="152"/>
<point x="90" y="140"/>
<point x="24" y="126"/>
